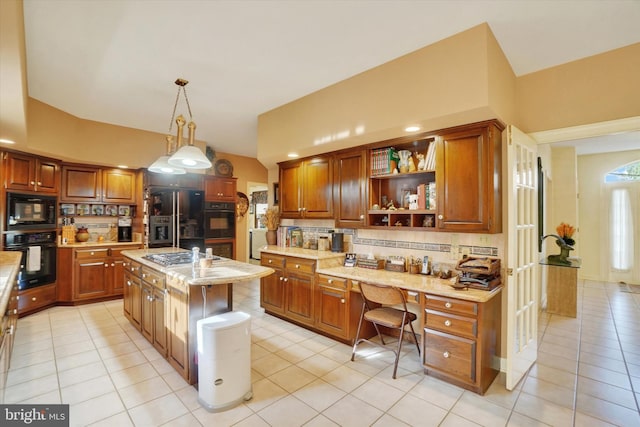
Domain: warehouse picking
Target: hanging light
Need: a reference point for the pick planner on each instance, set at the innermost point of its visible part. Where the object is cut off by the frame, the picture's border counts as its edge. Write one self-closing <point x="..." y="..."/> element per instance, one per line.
<point x="162" y="164"/>
<point x="186" y="157"/>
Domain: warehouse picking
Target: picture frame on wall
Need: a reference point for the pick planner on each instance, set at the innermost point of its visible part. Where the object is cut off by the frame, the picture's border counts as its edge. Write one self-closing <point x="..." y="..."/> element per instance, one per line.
<point x="276" y="191"/>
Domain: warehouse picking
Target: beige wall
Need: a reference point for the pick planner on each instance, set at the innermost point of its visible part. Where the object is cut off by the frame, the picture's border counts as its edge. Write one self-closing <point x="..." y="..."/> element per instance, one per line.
<point x="461" y="79"/>
<point x="13" y="76"/>
<point x="592" y="208"/>
<point x="564" y="192"/>
<point x="591" y="90"/>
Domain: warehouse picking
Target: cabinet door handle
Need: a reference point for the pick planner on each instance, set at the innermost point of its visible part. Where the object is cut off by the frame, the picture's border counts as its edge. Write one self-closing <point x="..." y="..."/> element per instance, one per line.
<point x="270" y="261"/>
<point x="33" y="183"/>
<point x="106" y="265"/>
<point x="446" y="355"/>
<point x="144" y="275"/>
<point x="92" y="253"/>
<point x="447" y="323"/>
<point x="34" y="299"/>
<point x="342" y="300"/>
<point x="285" y="279"/>
<point x="361" y="216"/>
<point x="154" y="281"/>
<point x="128" y="282"/>
<point x="297" y="265"/>
<point x="447" y="304"/>
<point x="39" y="182"/>
<point x="440" y="216"/>
<point x="330" y="281"/>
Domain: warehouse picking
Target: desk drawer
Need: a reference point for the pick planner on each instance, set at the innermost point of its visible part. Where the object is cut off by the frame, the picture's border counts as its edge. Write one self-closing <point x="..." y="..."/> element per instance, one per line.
<point x="452" y="355"/>
<point x="332" y="282"/>
<point x="452" y="324"/>
<point x="452" y="305"/>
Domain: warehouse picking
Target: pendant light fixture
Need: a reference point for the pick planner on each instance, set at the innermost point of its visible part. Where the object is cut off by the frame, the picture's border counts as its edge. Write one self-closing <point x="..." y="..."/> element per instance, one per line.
<point x="187" y="156"/>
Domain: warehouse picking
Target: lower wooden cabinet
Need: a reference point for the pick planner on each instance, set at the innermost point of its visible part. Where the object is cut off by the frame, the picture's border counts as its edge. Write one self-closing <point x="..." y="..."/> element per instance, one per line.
<point x="8" y="322"/>
<point x="324" y="304"/>
<point x="35" y="299"/>
<point x="153" y="308"/>
<point x="132" y="295"/>
<point x="91" y="273"/>
<point x="178" y="331"/>
<point x="461" y="340"/>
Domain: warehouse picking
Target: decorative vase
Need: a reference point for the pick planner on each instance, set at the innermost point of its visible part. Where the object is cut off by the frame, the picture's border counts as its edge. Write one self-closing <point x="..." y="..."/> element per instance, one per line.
<point x="405" y="155"/>
<point x="82" y="235"/>
<point x="272" y="237"/>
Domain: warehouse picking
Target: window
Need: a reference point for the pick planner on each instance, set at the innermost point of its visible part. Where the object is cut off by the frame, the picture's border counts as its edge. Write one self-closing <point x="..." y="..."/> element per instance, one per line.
<point x="628" y="172"/>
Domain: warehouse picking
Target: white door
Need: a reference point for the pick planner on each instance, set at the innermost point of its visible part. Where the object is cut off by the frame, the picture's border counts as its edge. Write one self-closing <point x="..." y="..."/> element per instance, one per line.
<point x="522" y="255"/>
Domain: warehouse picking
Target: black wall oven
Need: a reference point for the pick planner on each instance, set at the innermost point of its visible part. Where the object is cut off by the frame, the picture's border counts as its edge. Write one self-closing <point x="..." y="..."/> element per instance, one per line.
<point x="219" y="220"/>
<point x="30" y="212"/>
<point x="38" y="262"/>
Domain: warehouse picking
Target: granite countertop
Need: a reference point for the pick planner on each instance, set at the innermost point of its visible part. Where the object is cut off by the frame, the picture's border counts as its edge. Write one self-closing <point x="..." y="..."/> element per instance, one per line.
<point x="222" y="271"/>
<point x="9" y="268"/>
<point x="97" y="244"/>
<point x="410" y="282"/>
<point x="301" y="253"/>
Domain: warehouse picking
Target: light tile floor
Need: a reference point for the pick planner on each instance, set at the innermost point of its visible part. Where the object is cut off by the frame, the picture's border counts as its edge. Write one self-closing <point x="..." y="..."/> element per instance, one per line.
<point x="587" y="374"/>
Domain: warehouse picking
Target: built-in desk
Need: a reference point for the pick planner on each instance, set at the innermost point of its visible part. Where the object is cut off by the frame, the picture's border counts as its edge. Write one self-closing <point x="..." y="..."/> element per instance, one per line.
<point x="562" y="287"/>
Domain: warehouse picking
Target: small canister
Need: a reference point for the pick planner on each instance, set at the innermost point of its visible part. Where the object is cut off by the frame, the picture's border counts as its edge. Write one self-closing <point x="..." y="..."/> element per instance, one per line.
<point x="323" y="243"/>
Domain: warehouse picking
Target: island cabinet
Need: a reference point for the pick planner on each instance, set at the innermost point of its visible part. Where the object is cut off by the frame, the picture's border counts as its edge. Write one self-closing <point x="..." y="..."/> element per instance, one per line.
<point x="132" y="294"/>
<point x="154" y="308"/>
<point x="468" y="176"/>
<point x="461" y="340"/>
<point x="96" y="185"/>
<point x="91" y="273"/>
<point x="306" y="188"/>
<point x="350" y="185"/>
<point x="35" y="299"/>
<point x="219" y="189"/>
<point x="28" y="173"/>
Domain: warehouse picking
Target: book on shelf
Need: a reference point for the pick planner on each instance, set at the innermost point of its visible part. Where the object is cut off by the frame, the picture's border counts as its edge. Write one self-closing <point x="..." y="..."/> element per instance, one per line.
<point x="430" y="162"/>
<point x="384" y="160"/>
<point x="422" y="196"/>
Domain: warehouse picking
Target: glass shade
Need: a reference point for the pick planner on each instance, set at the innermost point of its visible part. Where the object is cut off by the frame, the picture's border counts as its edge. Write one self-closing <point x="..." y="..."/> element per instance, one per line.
<point x="162" y="166"/>
<point x="190" y="157"/>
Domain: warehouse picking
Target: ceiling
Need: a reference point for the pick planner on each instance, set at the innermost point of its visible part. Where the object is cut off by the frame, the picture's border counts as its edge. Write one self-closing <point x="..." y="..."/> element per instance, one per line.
<point x="116" y="61"/>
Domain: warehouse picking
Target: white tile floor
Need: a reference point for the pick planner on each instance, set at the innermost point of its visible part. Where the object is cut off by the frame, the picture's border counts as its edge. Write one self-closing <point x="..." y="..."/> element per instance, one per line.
<point x="587" y="374"/>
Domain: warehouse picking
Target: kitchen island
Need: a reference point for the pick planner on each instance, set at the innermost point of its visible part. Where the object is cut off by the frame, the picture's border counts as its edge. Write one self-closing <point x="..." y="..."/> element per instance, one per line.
<point x="164" y="302"/>
<point x="9" y="268"/>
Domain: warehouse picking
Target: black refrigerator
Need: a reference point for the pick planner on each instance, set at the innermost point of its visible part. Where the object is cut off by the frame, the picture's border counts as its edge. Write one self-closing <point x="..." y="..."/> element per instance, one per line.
<point x="175" y="218"/>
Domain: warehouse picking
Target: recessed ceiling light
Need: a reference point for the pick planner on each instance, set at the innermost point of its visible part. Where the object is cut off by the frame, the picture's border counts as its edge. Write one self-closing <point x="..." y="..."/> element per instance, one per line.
<point x="412" y="128"/>
<point x="123" y="166"/>
<point x="292" y="155"/>
<point x="6" y="141"/>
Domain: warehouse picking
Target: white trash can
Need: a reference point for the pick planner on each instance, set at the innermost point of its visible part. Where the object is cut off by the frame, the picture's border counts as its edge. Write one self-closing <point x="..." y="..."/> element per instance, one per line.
<point x="224" y="360"/>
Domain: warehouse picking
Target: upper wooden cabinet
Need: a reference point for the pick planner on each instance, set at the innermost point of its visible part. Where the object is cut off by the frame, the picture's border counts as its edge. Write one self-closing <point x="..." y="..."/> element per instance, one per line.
<point x="306" y="188"/>
<point x="219" y="189"/>
<point x="349" y="188"/>
<point x="468" y="177"/>
<point x="185" y="181"/>
<point x="91" y="184"/>
<point x="28" y="173"/>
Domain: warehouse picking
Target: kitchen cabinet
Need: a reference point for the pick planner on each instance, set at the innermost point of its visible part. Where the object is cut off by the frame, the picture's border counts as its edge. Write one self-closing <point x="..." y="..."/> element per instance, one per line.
<point x="188" y="181"/>
<point x="219" y="189"/>
<point x="306" y="188"/>
<point x="132" y="293"/>
<point x="349" y="181"/>
<point x="8" y="323"/>
<point x="333" y="302"/>
<point x="91" y="273"/>
<point x="178" y="331"/>
<point x="272" y="286"/>
<point x="97" y="185"/>
<point x="28" y="173"/>
<point x="461" y="340"/>
<point x="34" y="299"/>
<point x="153" y="319"/>
<point x="468" y="176"/>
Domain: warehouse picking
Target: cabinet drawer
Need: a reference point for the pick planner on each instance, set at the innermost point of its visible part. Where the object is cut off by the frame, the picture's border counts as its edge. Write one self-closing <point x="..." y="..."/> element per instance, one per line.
<point x="307" y="266"/>
<point x="452" y="305"/>
<point x="92" y="253"/>
<point x="450" y="323"/>
<point x="332" y="282"/>
<point x="270" y="260"/>
<point x="132" y="266"/>
<point x="34" y="298"/>
<point x="153" y="277"/>
<point x="452" y="355"/>
<point x="118" y="251"/>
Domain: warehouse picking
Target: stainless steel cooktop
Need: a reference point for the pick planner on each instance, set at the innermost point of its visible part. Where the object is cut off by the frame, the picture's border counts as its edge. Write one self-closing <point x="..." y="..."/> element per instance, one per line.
<point x="172" y="258"/>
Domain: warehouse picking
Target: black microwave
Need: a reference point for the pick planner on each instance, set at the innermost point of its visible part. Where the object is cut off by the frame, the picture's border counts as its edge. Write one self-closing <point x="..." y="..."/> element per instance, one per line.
<point x="26" y="212"/>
